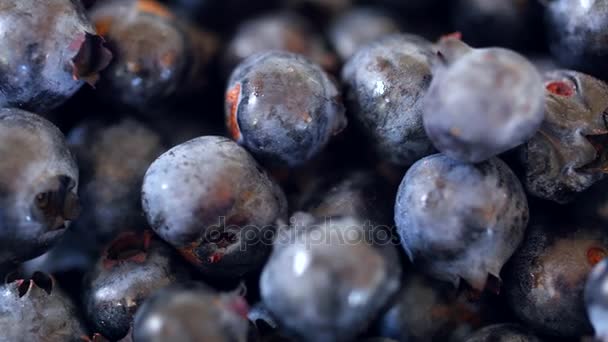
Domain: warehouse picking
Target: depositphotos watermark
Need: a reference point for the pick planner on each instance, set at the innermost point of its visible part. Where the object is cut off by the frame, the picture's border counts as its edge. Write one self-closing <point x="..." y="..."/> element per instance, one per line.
<point x="306" y="231"/>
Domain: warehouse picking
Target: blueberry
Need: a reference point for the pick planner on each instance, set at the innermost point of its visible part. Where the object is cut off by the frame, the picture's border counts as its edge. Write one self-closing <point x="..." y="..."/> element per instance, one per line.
<point x="568" y="153"/>
<point x="37" y="310"/>
<point x="577" y="34"/>
<point x="327" y="280"/>
<point x="38" y="185"/>
<point x="431" y="310"/>
<point x="210" y="199"/>
<point x="50" y="50"/>
<point x="596" y="299"/>
<point x="385" y="83"/>
<point x="358" y="27"/>
<point x="131" y="269"/>
<point x="545" y="279"/>
<point x="191" y="313"/>
<point x="482" y="102"/>
<point x="282" y="31"/>
<point x="358" y="193"/>
<point x="508" y="23"/>
<point x="283" y="108"/>
<point x="503" y="333"/>
<point x="458" y="220"/>
<point x="156" y="56"/>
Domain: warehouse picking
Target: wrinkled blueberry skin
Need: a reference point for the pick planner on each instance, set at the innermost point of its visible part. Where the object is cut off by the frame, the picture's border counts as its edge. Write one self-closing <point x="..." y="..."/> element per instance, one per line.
<point x="131" y="269"/>
<point x="386" y="82"/>
<point x="333" y="270"/>
<point x="545" y="278"/>
<point x="212" y="201"/>
<point x="503" y="333"/>
<point x="358" y="27"/>
<point x="35" y="310"/>
<point x="156" y="56"/>
<point x="282" y="31"/>
<point x="38" y="186"/>
<point x="577" y="32"/>
<point x="482" y="102"/>
<point x="191" y="314"/>
<point x="458" y="220"/>
<point x="507" y="23"/>
<point x="430" y="310"/>
<point x="596" y="299"/>
<point x="567" y="155"/>
<point x="283" y="108"/>
<point x="358" y="194"/>
<point x="50" y="50"/>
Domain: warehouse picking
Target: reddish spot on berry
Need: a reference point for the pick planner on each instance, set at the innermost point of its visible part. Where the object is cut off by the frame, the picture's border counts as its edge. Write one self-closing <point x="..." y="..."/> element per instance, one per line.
<point x="595" y="255"/>
<point x="453" y="35"/>
<point x="232" y="98"/>
<point x="560" y="88"/>
<point x="215" y="257"/>
<point x="154" y="7"/>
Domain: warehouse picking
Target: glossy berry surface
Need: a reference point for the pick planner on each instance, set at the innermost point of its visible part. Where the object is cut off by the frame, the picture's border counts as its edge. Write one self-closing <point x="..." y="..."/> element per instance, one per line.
<point x="156" y="55"/>
<point x="212" y="201"/>
<point x="283" y="108"/>
<point x="50" y="50"/>
<point x="38" y="185"/>
<point x="545" y="279"/>
<point x="327" y="279"/>
<point x="568" y="154"/>
<point x="577" y="34"/>
<point x="458" y="220"/>
<point x="131" y="269"/>
<point x="503" y="333"/>
<point x="596" y="299"/>
<point x="430" y="310"/>
<point x="36" y="310"/>
<point x="386" y="82"/>
<point x="482" y="102"/>
<point x="191" y="313"/>
<point x="280" y="31"/>
<point x="358" y="27"/>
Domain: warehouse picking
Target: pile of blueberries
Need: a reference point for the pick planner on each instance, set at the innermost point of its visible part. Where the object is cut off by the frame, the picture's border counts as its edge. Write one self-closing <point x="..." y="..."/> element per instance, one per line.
<point x="304" y="170"/>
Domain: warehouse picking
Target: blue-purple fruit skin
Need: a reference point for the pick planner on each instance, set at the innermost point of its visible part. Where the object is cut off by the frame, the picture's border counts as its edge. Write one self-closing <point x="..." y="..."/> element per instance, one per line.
<point x="191" y="313"/>
<point x="38" y="185"/>
<point x="545" y="278"/>
<point x="430" y="310"/>
<point x="482" y="102"/>
<point x="157" y="56"/>
<point x="358" y="27"/>
<point x="36" y="310"/>
<point x="327" y="280"/>
<point x="567" y="155"/>
<point x="577" y="34"/>
<point x="505" y="332"/>
<point x="596" y="299"/>
<point x="131" y="269"/>
<point x="385" y="83"/>
<point x="212" y="201"/>
<point x="280" y="31"/>
<point x="50" y="49"/>
<point x="458" y="220"/>
<point x="283" y="108"/>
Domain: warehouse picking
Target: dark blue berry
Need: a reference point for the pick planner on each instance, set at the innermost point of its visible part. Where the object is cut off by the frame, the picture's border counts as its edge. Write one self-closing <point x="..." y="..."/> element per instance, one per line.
<point x="283" y="108"/>
<point x="568" y="154"/>
<point x="211" y="200"/>
<point x="131" y="269"/>
<point x="482" y="102"/>
<point x="544" y="280"/>
<point x="458" y="220"/>
<point x="503" y="333"/>
<point x="386" y="82"/>
<point x="50" y="49"/>
<point x="38" y="185"/>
